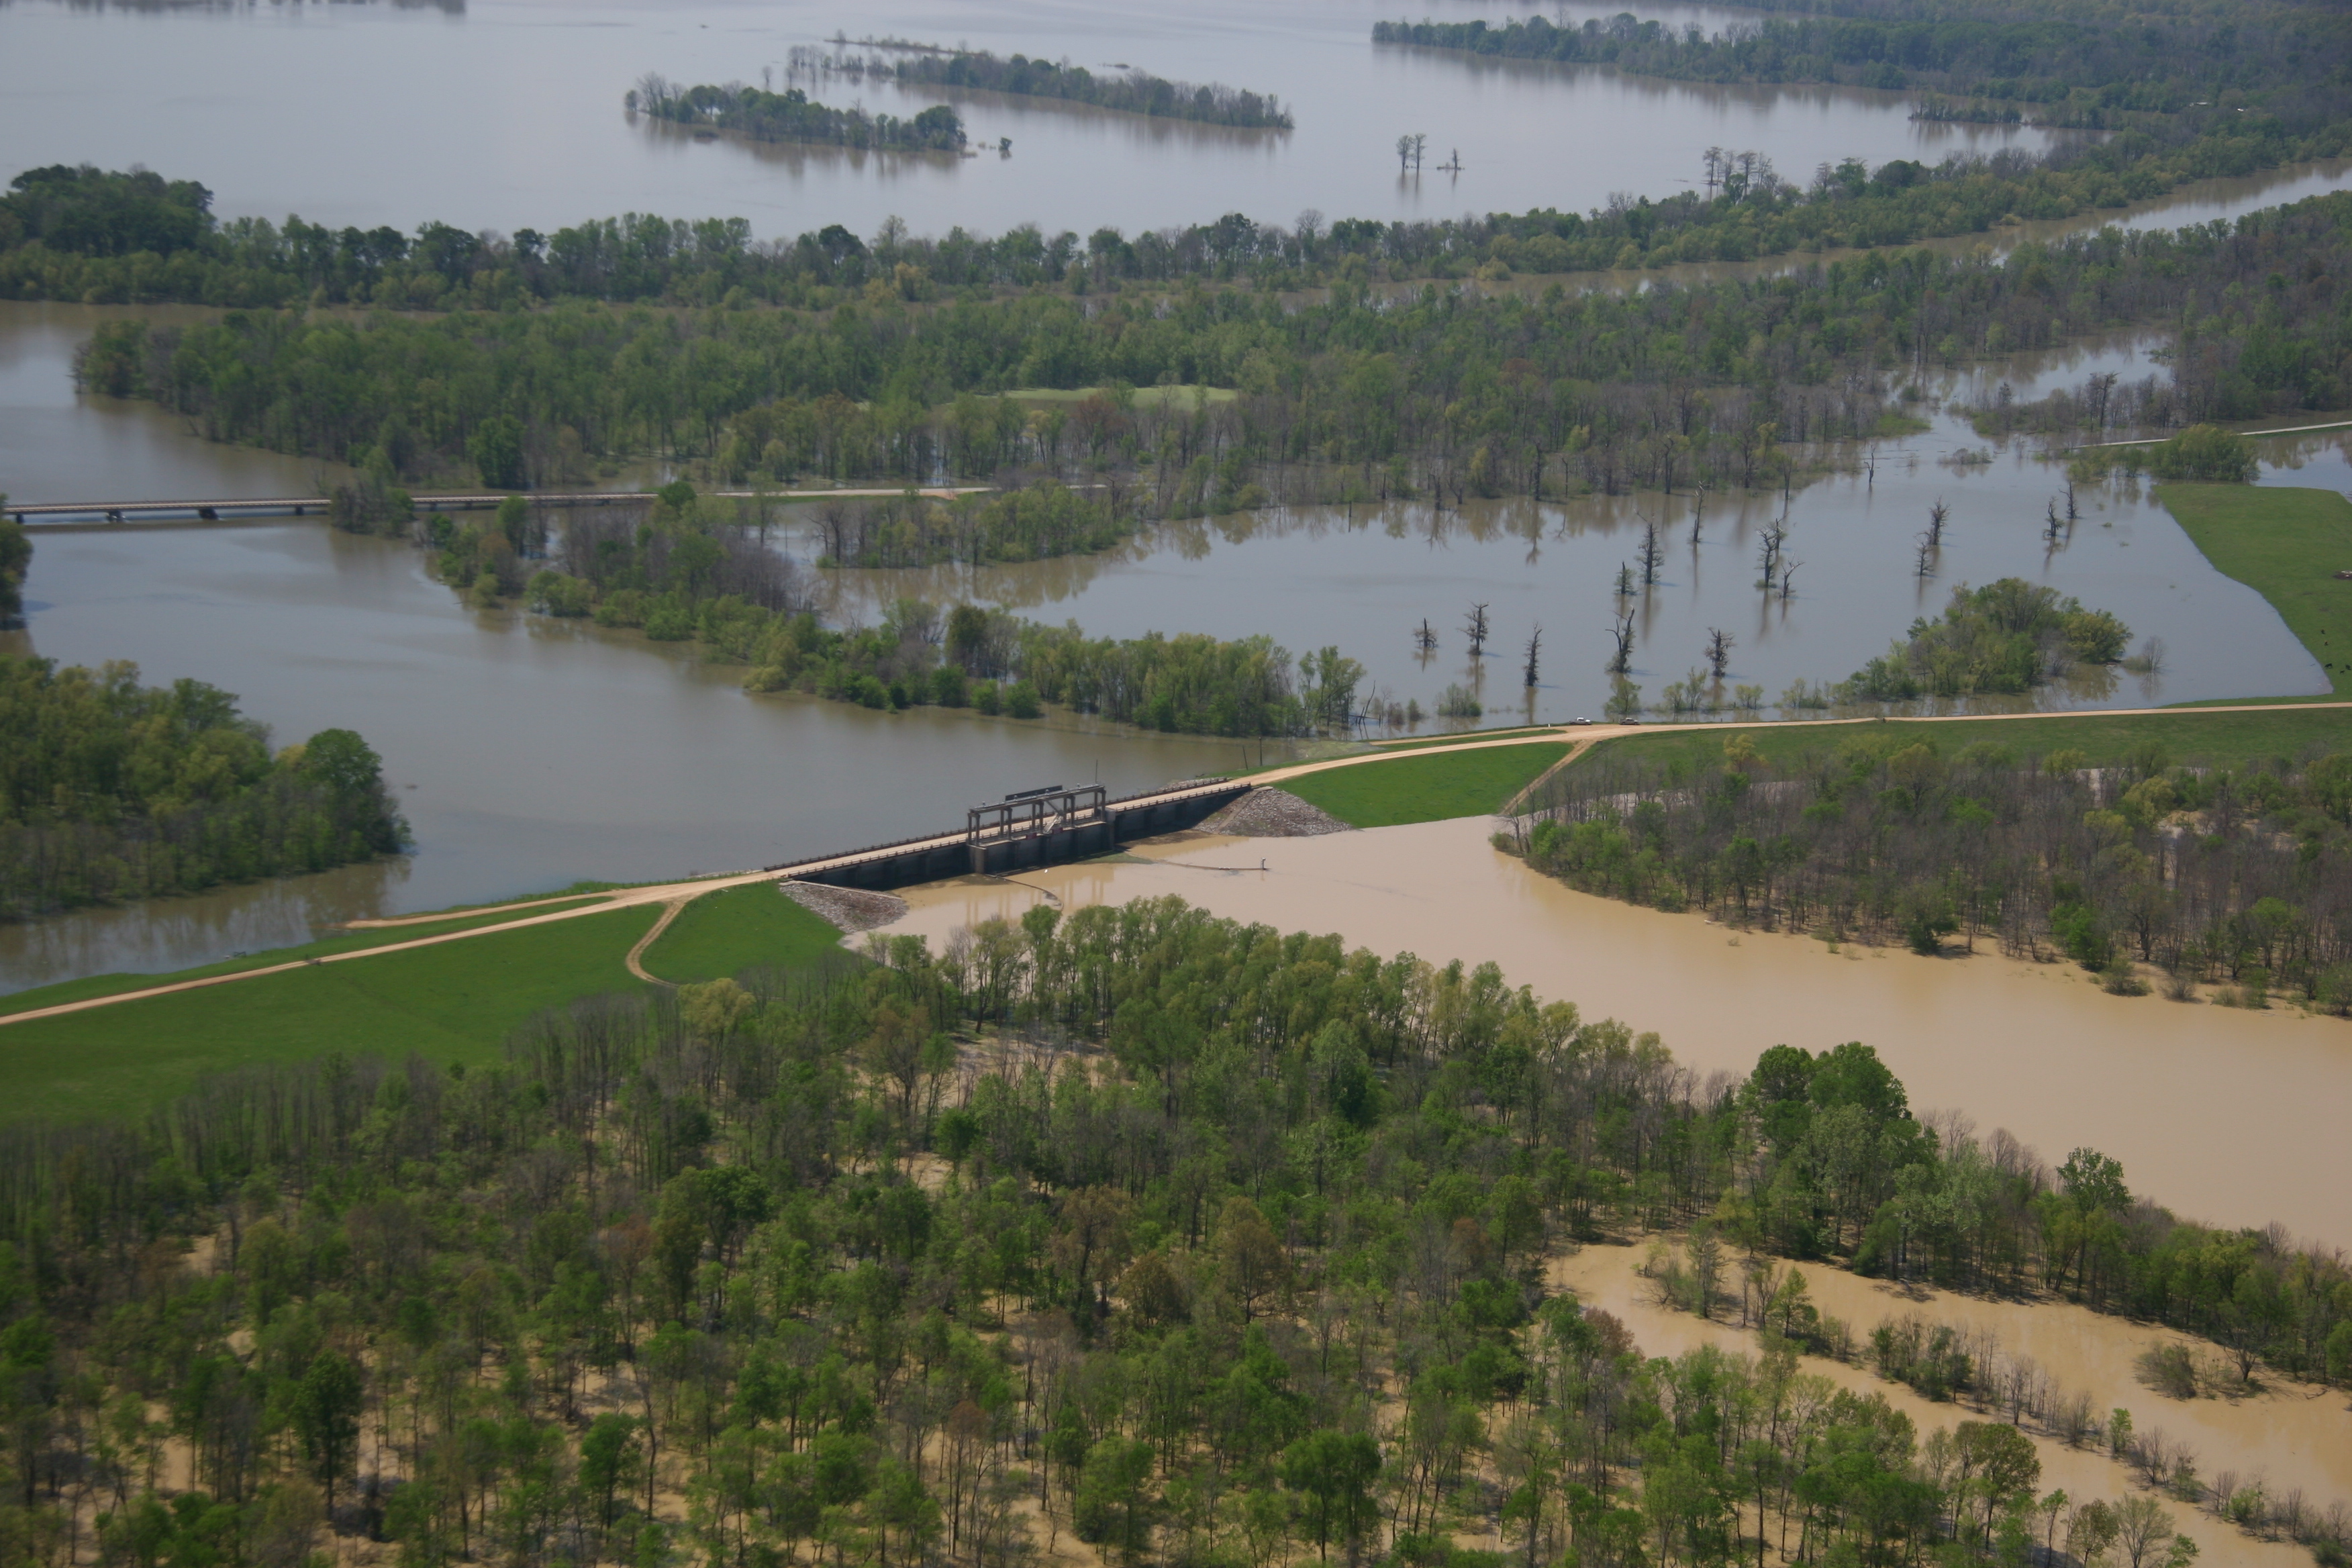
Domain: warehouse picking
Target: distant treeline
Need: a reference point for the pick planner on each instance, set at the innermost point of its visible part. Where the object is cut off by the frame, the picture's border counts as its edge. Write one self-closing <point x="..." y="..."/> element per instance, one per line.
<point x="1135" y="93"/>
<point x="2242" y="878"/>
<point x="1347" y="397"/>
<point x="689" y="569"/>
<point x="639" y="257"/>
<point x="110" y="790"/>
<point x="2086" y="69"/>
<point x="1184" y="1235"/>
<point x="793" y="116"/>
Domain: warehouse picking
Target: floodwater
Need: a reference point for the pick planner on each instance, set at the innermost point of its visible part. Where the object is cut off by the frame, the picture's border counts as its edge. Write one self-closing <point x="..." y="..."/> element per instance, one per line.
<point x="503" y="113"/>
<point x="2290" y="1438"/>
<point x="2229" y="1115"/>
<point x="542" y="753"/>
<point x="1376" y="573"/>
<point x="527" y="754"/>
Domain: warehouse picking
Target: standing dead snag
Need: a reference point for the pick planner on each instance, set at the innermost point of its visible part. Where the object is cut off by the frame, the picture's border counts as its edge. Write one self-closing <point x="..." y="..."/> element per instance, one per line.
<point x="1719" y="650"/>
<point x="1535" y="643"/>
<point x="1424" y="640"/>
<point x="1936" y="516"/>
<point x="1475" y="625"/>
<point x="1622" y="632"/>
<point x="1651" y="554"/>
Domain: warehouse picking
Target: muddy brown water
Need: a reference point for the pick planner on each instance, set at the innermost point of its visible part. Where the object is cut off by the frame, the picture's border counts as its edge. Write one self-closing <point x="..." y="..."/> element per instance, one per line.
<point x="2288" y="1437"/>
<point x="2228" y="1116"/>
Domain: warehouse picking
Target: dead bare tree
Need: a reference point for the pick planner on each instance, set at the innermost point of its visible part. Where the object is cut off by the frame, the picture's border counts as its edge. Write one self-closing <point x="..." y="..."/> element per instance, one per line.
<point x="1769" y="555"/>
<point x="1534" y="645"/>
<point x="1719" y="650"/>
<point x="1622" y="632"/>
<point x="1475" y="625"/>
<point x="1926" y="565"/>
<point x="1649" y="555"/>
<point x="1424" y="640"/>
<point x="1936" y="516"/>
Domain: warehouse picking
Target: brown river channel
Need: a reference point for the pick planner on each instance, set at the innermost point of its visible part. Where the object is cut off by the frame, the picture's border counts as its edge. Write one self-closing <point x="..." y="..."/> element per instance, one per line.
<point x="2230" y="1116"/>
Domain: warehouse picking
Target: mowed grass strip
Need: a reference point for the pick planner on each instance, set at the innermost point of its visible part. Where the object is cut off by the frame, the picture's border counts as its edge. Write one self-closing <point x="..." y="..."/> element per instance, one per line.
<point x="456" y="1001"/>
<point x="1391" y="792"/>
<point x="2287" y="544"/>
<point x="723" y="933"/>
<point x="342" y="941"/>
<point x="2187" y="737"/>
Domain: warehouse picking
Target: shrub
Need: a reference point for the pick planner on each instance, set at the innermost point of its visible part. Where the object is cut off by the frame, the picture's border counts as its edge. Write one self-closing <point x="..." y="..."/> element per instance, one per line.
<point x="2205" y="452"/>
<point x="2171" y="1370"/>
<point x="1021" y="700"/>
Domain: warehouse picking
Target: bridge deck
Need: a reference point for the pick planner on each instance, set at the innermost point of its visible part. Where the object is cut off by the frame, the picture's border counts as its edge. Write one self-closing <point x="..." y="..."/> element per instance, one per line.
<point x="299" y="506"/>
<point x="906" y="860"/>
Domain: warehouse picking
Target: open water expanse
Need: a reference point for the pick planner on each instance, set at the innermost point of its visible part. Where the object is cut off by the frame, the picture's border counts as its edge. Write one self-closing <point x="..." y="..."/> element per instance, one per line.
<point x="503" y="113"/>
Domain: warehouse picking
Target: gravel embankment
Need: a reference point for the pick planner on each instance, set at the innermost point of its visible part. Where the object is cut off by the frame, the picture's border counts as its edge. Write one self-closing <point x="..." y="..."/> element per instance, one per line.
<point x="851" y="909"/>
<point x="1274" y="814"/>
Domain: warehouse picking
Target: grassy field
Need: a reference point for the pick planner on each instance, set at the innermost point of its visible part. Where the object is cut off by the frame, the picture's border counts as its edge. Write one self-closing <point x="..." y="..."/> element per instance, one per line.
<point x="2186" y="736"/>
<point x="454" y="1002"/>
<point x="726" y="932"/>
<point x="1426" y="789"/>
<point x="2287" y="545"/>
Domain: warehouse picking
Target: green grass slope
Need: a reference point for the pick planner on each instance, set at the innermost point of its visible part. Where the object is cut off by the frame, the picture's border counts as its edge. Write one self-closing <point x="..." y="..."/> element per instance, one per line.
<point x="456" y="1002"/>
<point x="726" y="932"/>
<point x="2186" y="736"/>
<point x="1426" y="788"/>
<point x="2287" y="545"/>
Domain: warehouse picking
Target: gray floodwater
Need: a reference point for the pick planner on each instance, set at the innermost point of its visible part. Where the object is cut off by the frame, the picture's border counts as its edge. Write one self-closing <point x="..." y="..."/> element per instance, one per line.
<point x="503" y="113"/>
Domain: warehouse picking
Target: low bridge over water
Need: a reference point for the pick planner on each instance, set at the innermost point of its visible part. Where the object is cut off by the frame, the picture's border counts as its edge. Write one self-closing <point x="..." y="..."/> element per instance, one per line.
<point x="1035" y="827"/>
<point x="183" y="509"/>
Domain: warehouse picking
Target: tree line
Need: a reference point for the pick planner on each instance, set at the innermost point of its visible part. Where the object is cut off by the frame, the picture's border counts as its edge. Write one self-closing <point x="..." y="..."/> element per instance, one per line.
<point x="2241" y="879"/>
<point x="111" y="790"/>
<point x="640" y="256"/>
<point x="1352" y="397"/>
<point x="1195" y="1240"/>
<point x="793" y="116"/>
<point x="2086" y="70"/>
<point x="1132" y="92"/>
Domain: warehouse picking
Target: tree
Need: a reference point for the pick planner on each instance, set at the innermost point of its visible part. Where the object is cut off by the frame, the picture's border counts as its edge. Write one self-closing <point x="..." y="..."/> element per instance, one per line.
<point x="16" y="560"/>
<point x="1475" y="626"/>
<point x="1334" y="1472"/>
<point x="344" y="763"/>
<point x="2144" y="1535"/>
<point x="496" y="447"/>
<point x="1110" y="1507"/>
<point x="1534" y="644"/>
<point x="1719" y="650"/>
<point x="2000" y="1462"/>
<point x="1251" y="1261"/>
<point x="326" y="1407"/>
<point x="607" y="1459"/>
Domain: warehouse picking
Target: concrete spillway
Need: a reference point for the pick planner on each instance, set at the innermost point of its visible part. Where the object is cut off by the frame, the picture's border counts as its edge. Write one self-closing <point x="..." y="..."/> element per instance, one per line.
<point x="1040" y="829"/>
